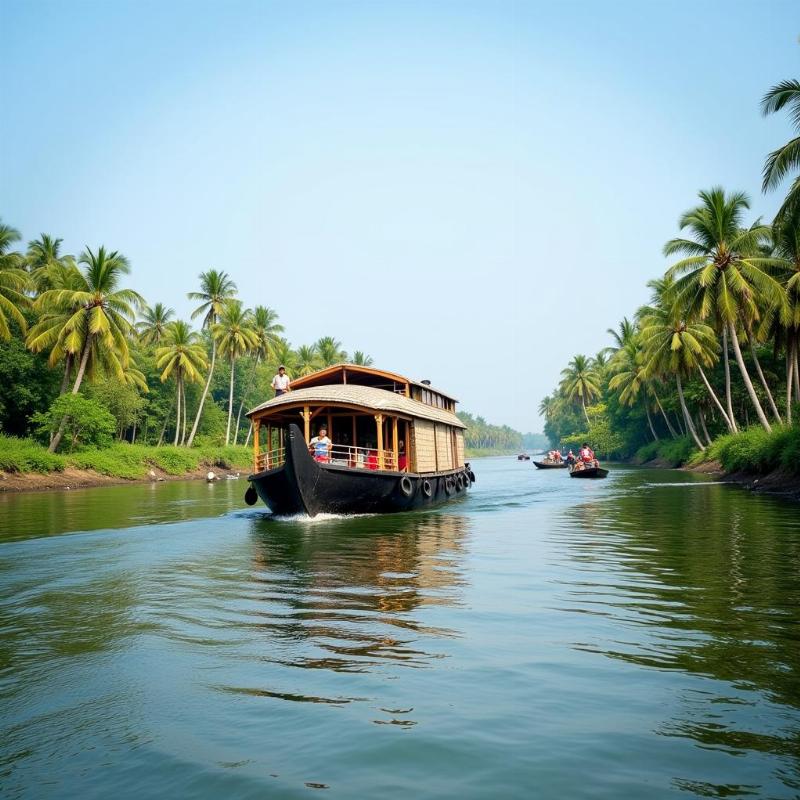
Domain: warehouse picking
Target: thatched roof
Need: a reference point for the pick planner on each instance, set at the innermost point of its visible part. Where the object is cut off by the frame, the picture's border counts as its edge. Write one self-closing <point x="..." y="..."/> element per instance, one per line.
<point x="363" y="396"/>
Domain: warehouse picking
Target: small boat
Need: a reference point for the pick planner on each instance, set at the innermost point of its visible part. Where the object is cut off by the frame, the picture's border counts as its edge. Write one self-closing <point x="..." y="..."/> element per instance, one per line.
<point x="547" y="464"/>
<point x="523" y="457"/>
<point x="588" y="472"/>
<point x="395" y="445"/>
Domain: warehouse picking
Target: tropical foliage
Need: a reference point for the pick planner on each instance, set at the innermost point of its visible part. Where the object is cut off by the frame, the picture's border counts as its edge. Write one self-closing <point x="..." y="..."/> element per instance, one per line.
<point x="734" y="291"/>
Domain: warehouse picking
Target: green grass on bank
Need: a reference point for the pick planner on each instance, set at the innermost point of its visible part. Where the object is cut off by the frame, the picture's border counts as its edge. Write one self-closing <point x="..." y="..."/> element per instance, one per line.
<point x="121" y="460"/>
<point x="751" y="450"/>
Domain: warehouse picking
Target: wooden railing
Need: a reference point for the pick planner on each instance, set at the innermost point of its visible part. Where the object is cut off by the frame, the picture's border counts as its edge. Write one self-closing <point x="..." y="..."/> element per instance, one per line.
<point x="271" y="459"/>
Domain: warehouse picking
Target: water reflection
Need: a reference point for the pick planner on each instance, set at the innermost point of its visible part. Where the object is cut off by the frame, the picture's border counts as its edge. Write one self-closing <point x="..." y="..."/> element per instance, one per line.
<point x="705" y="583"/>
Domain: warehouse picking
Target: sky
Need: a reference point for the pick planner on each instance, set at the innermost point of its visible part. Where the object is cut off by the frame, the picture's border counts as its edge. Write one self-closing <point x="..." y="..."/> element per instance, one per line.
<point x="469" y="192"/>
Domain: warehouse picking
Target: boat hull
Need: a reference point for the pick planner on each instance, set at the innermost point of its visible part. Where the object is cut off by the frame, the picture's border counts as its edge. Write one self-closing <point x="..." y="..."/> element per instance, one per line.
<point x="304" y="486"/>
<point x="589" y="472"/>
<point x="544" y="465"/>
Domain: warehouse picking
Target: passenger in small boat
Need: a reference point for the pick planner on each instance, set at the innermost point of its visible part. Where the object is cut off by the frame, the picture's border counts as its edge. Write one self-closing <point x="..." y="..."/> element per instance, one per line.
<point x="320" y="445"/>
<point x="280" y="383"/>
<point x="570" y="458"/>
<point x="587" y="455"/>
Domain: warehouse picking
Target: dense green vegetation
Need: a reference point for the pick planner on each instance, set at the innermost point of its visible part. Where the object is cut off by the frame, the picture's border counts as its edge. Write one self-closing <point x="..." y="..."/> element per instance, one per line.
<point x="708" y="369"/>
<point x="94" y="377"/>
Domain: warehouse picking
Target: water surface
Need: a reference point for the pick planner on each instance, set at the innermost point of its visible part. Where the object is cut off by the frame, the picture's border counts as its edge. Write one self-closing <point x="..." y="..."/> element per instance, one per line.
<point x="543" y="637"/>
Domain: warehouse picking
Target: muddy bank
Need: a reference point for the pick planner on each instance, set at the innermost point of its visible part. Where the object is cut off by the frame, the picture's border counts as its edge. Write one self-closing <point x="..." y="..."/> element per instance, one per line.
<point x="72" y="478"/>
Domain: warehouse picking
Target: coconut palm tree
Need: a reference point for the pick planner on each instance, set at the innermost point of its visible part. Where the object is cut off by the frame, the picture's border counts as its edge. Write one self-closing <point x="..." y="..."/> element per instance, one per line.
<point x="673" y="347"/>
<point x="629" y="377"/>
<point x="235" y="337"/>
<point x="43" y="259"/>
<point x="579" y="381"/>
<point x="362" y="359"/>
<point x="181" y="355"/>
<point x="307" y="359"/>
<point x="267" y="329"/>
<point x="786" y="158"/>
<point x="626" y="330"/>
<point x="722" y="276"/>
<point x="330" y="351"/>
<point x="152" y="328"/>
<point x="216" y="290"/>
<point x="102" y="318"/>
<point x="14" y="281"/>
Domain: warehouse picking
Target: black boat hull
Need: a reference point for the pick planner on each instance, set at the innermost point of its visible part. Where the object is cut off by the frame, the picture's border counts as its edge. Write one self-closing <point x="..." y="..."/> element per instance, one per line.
<point x="303" y="486"/>
<point x="543" y="465"/>
<point x="588" y="472"/>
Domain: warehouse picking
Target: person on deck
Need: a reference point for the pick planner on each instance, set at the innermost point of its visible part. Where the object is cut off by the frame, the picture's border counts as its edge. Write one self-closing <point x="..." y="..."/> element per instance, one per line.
<point x="402" y="461"/>
<point x="280" y="383"/>
<point x="320" y="445"/>
<point x="371" y="461"/>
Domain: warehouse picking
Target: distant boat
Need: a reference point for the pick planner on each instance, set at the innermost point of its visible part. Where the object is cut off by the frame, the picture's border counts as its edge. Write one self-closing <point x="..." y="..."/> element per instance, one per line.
<point x="587" y="472"/>
<point x="523" y="457"/>
<point x="550" y="464"/>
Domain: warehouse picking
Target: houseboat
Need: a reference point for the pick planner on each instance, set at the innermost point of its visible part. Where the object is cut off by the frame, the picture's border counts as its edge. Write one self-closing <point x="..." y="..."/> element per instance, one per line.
<point x="395" y="445"/>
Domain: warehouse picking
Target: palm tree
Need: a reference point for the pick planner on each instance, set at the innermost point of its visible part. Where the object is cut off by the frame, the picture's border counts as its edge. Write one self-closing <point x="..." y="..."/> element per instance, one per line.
<point x="580" y="382"/>
<point x="102" y="319"/>
<point x="266" y="329"/>
<point x="626" y="331"/>
<point x="235" y="336"/>
<point x="43" y="258"/>
<point x="216" y="290"/>
<point x="330" y="351"/>
<point x="786" y="94"/>
<point x="307" y="359"/>
<point x="629" y="375"/>
<point x="183" y="356"/>
<point x="49" y="332"/>
<point x="722" y="276"/>
<point x="672" y="346"/>
<point x="153" y="326"/>
<point x="362" y="359"/>
<point x="13" y="283"/>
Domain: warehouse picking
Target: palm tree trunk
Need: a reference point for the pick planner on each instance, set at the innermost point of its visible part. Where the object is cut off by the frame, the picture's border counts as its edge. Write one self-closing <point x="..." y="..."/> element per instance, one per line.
<point x="87" y="346"/>
<point x="205" y="392"/>
<point x="178" y="414"/>
<point x="650" y="422"/>
<point x="737" y="351"/>
<point x="686" y="416"/>
<point x="230" y="404"/>
<point x="763" y="379"/>
<point x="241" y="405"/>
<point x="796" y="372"/>
<point x="67" y="370"/>
<point x="789" y="371"/>
<point x="728" y="398"/>
<point x="584" y="412"/>
<point x="164" y="427"/>
<point x="702" y="417"/>
<point x="183" y="405"/>
<point x="716" y="400"/>
<point x="666" y="418"/>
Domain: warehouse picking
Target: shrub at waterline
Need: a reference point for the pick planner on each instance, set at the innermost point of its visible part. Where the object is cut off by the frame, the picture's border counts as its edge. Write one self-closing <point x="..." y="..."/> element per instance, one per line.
<point x="755" y="450"/>
<point x="86" y="422"/>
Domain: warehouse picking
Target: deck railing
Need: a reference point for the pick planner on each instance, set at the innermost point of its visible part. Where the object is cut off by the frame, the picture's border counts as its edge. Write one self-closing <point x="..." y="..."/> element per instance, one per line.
<point x="343" y="455"/>
<point x="270" y="459"/>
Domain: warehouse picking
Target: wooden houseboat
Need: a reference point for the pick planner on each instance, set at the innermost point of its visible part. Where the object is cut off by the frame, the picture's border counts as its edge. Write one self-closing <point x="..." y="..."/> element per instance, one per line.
<point x="396" y="445"/>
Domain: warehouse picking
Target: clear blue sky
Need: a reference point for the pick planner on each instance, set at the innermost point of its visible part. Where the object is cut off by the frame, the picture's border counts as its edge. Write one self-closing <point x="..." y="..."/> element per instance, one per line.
<point x="442" y="185"/>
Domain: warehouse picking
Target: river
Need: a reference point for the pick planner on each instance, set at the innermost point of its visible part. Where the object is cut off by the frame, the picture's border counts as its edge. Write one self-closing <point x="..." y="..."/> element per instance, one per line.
<point x="543" y="637"/>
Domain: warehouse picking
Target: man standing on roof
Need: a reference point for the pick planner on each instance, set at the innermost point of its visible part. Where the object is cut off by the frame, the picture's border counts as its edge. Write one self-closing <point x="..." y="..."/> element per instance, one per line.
<point x="280" y="383"/>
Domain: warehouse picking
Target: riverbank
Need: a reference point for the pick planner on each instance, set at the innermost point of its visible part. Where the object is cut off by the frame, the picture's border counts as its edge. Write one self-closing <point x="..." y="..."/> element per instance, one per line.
<point x="26" y="465"/>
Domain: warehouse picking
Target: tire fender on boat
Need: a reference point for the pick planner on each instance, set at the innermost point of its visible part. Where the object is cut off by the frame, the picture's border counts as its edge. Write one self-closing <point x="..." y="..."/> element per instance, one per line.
<point x="449" y="485"/>
<point x="471" y="476"/>
<point x="460" y="482"/>
<point x="251" y="496"/>
<point x="406" y="486"/>
<point x="427" y="490"/>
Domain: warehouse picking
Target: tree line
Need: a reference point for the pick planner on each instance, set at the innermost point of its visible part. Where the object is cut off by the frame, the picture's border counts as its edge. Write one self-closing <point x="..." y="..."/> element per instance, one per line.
<point x="75" y="341"/>
<point x="716" y="348"/>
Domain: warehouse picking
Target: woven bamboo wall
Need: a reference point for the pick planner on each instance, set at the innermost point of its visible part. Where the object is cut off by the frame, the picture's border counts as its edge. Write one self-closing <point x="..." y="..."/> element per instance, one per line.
<point x="444" y="447"/>
<point x="424" y="446"/>
<point x="459" y="448"/>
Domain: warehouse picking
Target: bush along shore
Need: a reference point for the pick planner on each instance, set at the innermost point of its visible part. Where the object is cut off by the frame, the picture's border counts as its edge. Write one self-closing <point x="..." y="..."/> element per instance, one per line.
<point x="707" y="372"/>
<point x="26" y="465"/>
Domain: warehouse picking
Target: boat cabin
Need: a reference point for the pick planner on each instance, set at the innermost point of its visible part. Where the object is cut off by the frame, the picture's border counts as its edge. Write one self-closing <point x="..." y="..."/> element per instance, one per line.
<point x="376" y="420"/>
